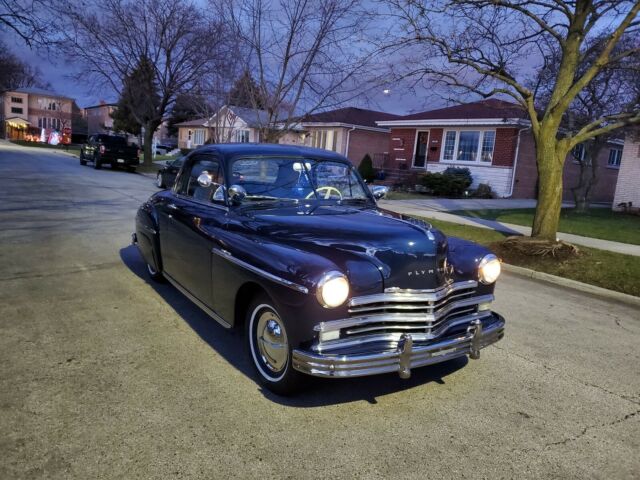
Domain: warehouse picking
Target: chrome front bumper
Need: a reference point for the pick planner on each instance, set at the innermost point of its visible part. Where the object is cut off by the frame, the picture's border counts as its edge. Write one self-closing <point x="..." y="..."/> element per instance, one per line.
<point x="405" y="356"/>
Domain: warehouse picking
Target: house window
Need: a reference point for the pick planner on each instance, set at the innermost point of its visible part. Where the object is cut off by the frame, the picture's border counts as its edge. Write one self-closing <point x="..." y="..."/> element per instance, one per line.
<point x="16" y="99"/>
<point x="469" y="145"/>
<point x="449" y="145"/>
<point x="326" y="139"/>
<point x="16" y="109"/>
<point x="578" y="153"/>
<point x="52" y="106"/>
<point x="198" y="137"/>
<point x="615" y="156"/>
<point x="242" y="136"/>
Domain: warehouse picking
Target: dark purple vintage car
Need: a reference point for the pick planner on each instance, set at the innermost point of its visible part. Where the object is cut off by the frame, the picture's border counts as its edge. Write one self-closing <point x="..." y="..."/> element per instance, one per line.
<point x="288" y="244"/>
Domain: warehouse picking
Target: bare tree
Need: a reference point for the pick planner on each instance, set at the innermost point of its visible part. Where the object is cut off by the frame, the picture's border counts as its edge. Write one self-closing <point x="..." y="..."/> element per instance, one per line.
<point x="14" y="73"/>
<point x="30" y="20"/>
<point x="305" y="55"/>
<point x="111" y="37"/>
<point x="614" y="90"/>
<point x="485" y="47"/>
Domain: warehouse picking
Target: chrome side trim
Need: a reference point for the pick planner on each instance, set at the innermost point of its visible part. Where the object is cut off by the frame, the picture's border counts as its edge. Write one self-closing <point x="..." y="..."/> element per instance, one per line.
<point x="258" y="271"/>
<point x="412" y="296"/>
<point x="188" y="294"/>
<point x="404" y="317"/>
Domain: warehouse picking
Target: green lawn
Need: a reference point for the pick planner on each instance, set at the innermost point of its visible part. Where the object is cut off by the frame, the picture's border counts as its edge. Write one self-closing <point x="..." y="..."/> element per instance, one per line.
<point x="406" y="196"/>
<point x="614" y="271"/>
<point x="597" y="223"/>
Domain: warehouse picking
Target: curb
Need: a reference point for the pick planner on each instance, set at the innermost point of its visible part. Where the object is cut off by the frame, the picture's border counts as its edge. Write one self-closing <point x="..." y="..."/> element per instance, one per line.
<point x="573" y="284"/>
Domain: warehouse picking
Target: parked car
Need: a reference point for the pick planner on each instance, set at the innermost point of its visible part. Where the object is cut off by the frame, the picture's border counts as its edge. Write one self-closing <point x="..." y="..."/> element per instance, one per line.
<point x="105" y="149"/>
<point x="167" y="174"/>
<point x="288" y="244"/>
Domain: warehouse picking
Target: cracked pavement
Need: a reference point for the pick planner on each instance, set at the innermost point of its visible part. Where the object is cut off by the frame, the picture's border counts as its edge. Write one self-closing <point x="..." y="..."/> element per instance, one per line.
<point x="105" y="375"/>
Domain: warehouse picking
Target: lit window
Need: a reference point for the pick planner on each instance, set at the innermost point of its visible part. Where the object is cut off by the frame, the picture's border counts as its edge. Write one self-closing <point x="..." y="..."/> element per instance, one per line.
<point x="198" y="137"/>
<point x="469" y="145"/>
<point x="242" y="136"/>
<point x="615" y="156"/>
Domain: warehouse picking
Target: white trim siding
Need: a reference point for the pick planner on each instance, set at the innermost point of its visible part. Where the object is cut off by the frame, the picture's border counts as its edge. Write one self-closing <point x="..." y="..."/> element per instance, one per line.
<point x="498" y="178"/>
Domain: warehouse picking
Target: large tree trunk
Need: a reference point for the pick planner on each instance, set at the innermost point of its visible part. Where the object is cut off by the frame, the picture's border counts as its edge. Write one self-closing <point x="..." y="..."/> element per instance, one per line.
<point x="149" y="130"/>
<point x="550" y="162"/>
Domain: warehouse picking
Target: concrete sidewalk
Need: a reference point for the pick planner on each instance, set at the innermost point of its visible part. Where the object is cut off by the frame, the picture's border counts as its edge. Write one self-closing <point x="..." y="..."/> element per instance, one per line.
<point x="408" y="208"/>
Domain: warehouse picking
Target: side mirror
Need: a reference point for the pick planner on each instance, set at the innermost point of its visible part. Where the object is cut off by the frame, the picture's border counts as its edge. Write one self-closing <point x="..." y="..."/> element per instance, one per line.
<point x="167" y="163"/>
<point x="205" y="180"/>
<point x="236" y="194"/>
<point x="379" y="191"/>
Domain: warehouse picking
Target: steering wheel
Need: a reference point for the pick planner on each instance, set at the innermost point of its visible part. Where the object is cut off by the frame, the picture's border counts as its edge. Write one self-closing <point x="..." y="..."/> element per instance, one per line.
<point x="327" y="195"/>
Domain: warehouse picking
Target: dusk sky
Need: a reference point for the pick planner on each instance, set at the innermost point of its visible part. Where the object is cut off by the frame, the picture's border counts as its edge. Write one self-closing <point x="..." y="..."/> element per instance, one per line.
<point x="57" y="71"/>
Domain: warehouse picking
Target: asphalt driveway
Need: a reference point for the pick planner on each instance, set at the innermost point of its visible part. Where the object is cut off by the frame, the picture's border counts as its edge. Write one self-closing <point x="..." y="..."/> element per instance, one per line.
<point x="104" y="375"/>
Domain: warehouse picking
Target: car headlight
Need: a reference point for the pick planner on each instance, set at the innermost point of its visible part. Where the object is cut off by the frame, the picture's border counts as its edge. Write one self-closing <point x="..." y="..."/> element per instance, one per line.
<point x="489" y="269"/>
<point x="333" y="290"/>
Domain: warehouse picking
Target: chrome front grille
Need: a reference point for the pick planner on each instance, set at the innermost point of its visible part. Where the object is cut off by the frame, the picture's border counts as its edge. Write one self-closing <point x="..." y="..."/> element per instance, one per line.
<point x="425" y="314"/>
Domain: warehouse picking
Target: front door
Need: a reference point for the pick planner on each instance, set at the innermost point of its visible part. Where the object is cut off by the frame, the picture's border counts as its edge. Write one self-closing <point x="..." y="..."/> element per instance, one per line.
<point x="422" y="147"/>
<point x="194" y="216"/>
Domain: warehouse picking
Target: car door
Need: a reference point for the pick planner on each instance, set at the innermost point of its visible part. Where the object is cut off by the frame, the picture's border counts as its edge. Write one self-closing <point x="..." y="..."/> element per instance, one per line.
<point x="172" y="172"/>
<point x="194" y="216"/>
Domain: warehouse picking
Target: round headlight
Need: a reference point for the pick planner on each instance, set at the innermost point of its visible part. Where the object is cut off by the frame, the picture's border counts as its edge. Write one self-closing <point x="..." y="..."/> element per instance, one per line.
<point x="489" y="269"/>
<point x="333" y="290"/>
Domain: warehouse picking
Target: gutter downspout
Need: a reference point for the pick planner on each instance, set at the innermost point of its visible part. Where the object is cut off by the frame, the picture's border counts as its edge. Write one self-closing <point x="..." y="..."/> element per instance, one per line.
<point x="515" y="162"/>
<point x="346" y="150"/>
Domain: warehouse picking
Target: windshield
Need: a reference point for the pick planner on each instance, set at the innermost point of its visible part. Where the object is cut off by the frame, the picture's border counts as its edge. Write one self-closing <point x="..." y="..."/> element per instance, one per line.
<point x="268" y="178"/>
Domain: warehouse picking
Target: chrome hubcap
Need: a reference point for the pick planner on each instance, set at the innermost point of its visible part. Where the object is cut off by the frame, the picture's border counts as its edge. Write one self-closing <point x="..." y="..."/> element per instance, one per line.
<point x="152" y="270"/>
<point x="272" y="341"/>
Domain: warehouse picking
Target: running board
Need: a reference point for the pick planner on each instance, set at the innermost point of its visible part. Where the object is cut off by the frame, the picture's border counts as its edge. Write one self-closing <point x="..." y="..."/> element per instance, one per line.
<point x="202" y="306"/>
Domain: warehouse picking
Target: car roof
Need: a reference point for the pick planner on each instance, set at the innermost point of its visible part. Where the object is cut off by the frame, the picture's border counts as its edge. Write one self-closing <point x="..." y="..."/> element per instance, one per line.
<point x="230" y="150"/>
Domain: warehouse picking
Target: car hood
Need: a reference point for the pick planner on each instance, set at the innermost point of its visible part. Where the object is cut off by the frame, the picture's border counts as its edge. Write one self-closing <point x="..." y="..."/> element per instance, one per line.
<point x="407" y="254"/>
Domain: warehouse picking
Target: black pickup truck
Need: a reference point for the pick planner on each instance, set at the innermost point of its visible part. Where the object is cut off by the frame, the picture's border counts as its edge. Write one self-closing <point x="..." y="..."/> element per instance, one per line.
<point x="109" y="149"/>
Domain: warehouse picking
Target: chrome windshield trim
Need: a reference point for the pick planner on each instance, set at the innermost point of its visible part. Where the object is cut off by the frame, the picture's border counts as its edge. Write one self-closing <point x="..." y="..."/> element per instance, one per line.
<point x="398" y="295"/>
<point x="258" y="271"/>
<point x="401" y="316"/>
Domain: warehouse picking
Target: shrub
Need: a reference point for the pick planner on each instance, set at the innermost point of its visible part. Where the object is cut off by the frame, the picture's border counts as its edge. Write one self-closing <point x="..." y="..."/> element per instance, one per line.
<point x="483" y="191"/>
<point x="453" y="182"/>
<point x="366" y="169"/>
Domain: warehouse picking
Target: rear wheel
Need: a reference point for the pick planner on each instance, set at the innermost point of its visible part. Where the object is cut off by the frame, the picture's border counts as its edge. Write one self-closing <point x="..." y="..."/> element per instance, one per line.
<point x="83" y="161"/>
<point x="270" y="348"/>
<point x="159" y="180"/>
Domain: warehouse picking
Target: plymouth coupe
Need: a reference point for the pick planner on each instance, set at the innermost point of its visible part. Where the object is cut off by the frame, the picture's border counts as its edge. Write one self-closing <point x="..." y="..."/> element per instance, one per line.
<point x="289" y="244"/>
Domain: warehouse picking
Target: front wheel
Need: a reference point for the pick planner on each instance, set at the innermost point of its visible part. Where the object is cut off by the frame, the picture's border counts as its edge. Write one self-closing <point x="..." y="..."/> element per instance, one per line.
<point x="159" y="180"/>
<point x="83" y="161"/>
<point x="270" y="348"/>
<point x="97" y="163"/>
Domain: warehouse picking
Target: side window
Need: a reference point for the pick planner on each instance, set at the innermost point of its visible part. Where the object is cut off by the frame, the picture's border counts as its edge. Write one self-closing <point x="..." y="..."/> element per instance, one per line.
<point x="203" y="180"/>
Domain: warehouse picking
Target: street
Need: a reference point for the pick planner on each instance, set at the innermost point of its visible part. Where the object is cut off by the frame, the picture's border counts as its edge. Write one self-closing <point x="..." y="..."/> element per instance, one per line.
<point x="104" y="374"/>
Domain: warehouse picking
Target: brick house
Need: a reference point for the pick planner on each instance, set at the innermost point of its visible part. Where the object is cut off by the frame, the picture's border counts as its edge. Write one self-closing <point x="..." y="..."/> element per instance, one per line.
<point x="350" y="131"/>
<point x="627" y="189"/>
<point x="25" y="112"/>
<point x="490" y="137"/>
<point x="99" y="117"/>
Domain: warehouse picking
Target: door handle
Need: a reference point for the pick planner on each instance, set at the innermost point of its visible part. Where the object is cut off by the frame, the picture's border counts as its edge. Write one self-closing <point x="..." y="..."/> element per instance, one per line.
<point x="172" y="206"/>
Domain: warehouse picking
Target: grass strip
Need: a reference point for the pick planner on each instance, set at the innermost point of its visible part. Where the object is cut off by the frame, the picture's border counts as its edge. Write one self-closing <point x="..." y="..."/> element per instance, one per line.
<point x="614" y="271"/>
<point x="597" y="223"/>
